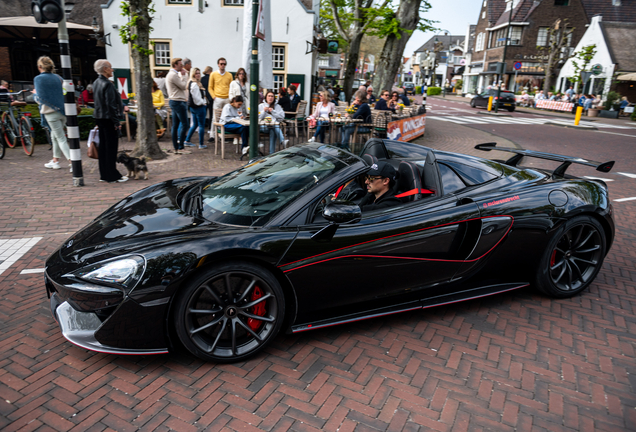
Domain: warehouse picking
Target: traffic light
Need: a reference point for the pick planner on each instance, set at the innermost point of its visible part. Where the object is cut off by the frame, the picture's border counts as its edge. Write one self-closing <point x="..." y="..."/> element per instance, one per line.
<point x="47" y="11"/>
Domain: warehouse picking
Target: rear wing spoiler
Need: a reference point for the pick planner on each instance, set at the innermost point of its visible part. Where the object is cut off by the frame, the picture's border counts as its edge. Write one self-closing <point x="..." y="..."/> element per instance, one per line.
<point x="566" y="161"/>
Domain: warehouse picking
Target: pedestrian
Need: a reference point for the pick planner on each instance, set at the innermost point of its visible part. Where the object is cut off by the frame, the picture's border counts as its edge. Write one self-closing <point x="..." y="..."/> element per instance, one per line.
<point x="109" y="111"/>
<point x="205" y="80"/>
<point x="270" y="108"/>
<point x="176" y="83"/>
<point x="197" y="104"/>
<point x="49" y="95"/>
<point x="187" y="65"/>
<point x="219" y="87"/>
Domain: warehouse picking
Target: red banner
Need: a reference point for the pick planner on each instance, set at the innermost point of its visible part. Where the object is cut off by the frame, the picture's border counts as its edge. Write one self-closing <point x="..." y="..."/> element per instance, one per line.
<point x="406" y="129"/>
<point x="554" y="105"/>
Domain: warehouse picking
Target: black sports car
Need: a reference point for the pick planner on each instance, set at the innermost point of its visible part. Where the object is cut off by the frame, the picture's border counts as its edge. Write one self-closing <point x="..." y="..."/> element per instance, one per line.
<point x="507" y="100"/>
<point x="220" y="265"/>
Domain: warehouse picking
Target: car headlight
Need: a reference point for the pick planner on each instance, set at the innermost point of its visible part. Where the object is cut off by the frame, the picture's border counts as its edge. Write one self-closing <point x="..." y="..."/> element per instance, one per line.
<point x="121" y="272"/>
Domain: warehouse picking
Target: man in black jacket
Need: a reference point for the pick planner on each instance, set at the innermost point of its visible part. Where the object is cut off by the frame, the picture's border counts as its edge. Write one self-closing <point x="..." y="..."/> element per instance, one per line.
<point x="380" y="180"/>
<point x="205" y="80"/>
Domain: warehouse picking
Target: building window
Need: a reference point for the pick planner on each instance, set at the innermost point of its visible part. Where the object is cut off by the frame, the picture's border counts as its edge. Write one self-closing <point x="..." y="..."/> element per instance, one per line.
<point x="279" y="81"/>
<point x="515" y="36"/>
<point x="179" y="1"/>
<point x="561" y="2"/>
<point x="278" y="57"/>
<point x="162" y="53"/>
<point x="232" y="2"/>
<point x="323" y="62"/>
<point x="542" y="36"/>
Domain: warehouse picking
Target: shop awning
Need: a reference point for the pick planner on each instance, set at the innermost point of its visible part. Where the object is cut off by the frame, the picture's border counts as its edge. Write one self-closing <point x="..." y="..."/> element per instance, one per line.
<point x="627" y="77"/>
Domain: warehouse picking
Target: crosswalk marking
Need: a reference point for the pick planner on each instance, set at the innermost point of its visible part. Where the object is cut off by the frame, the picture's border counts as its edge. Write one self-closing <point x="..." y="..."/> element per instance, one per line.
<point x="627" y="174"/>
<point x="519" y="121"/>
<point x="11" y="250"/>
<point x="625" y="199"/>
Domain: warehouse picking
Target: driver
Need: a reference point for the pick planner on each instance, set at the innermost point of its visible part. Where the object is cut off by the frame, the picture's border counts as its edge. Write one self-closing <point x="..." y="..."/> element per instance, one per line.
<point x="380" y="180"/>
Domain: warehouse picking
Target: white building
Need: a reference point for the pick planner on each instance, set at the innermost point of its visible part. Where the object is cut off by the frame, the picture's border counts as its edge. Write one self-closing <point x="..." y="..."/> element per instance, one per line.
<point x="205" y="30"/>
<point x="614" y="52"/>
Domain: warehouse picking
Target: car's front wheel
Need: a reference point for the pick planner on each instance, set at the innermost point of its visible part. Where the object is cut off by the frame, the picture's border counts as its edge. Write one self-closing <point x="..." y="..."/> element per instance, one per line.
<point x="229" y="312"/>
<point x="573" y="258"/>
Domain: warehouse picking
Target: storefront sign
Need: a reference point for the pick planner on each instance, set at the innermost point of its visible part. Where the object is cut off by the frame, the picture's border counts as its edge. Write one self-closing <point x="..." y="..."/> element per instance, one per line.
<point x="535" y="57"/>
<point x="407" y="129"/>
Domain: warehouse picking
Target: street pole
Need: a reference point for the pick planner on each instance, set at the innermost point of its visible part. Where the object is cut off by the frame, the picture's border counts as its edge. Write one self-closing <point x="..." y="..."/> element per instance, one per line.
<point x="70" y="108"/>
<point x="503" y="69"/>
<point x="254" y="79"/>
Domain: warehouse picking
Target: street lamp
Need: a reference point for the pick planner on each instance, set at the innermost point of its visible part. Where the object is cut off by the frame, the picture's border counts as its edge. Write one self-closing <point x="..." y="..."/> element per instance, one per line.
<point x="104" y="39"/>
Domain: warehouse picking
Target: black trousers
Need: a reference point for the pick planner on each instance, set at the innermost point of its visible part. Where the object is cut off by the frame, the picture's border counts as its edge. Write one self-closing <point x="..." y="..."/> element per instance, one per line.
<point x="108" y="144"/>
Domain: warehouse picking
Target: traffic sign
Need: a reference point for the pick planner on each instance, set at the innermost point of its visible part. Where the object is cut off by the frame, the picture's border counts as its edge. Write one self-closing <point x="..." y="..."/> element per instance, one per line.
<point x="518" y="65"/>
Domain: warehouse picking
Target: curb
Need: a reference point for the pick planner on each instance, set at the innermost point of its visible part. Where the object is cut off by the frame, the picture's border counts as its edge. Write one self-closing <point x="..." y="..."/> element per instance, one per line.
<point x="572" y="126"/>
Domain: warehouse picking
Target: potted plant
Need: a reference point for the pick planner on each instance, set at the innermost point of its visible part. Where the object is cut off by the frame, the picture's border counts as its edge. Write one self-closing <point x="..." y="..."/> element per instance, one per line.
<point x="611" y="111"/>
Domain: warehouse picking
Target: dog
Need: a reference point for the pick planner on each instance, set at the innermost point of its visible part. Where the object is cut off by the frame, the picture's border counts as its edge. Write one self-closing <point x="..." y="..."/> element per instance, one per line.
<point x="134" y="165"/>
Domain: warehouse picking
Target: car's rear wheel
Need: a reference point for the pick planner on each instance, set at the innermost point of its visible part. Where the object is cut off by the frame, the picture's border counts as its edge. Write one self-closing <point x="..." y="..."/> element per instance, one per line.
<point x="511" y="109"/>
<point x="229" y="312"/>
<point x="573" y="258"/>
<point x="472" y="103"/>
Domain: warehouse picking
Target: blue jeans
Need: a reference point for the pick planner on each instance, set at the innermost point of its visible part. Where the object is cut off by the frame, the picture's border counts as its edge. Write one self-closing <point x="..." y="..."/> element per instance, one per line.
<point x="179" y="116"/>
<point x="320" y="130"/>
<point x="243" y="130"/>
<point x="274" y="132"/>
<point x="198" y="117"/>
<point x="347" y="131"/>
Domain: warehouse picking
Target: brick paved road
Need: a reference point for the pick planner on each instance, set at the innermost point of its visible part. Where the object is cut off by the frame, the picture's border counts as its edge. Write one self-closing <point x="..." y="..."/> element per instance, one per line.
<point x="516" y="361"/>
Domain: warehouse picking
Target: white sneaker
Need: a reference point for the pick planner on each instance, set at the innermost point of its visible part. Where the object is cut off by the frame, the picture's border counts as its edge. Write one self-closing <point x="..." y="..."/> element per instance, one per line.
<point x="121" y="180"/>
<point x="245" y="150"/>
<point x="52" y="165"/>
<point x="235" y="141"/>
<point x="285" y="143"/>
<point x="312" y="139"/>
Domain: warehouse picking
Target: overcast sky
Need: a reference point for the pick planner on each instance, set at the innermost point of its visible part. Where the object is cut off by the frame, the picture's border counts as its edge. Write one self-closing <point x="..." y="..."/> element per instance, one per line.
<point x="453" y="15"/>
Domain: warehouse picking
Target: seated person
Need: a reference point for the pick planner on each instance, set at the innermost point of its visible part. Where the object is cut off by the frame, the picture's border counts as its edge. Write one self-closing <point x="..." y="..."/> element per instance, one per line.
<point x="230" y="112"/>
<point x="370" y="96"/>
<point x="405" y="100"/>
<point x="270" y="108"/>
<point x="161" y="113"/>
<point x="87" y="95"/>
<point x="383" y="103"/>
<point x="362" y="112"/>
<point x="380" y="181"/>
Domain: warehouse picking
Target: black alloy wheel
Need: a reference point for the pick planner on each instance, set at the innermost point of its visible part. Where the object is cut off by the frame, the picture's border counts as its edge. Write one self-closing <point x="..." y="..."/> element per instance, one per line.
<point x="230" y="312"/>
<point x="573" y="259"/>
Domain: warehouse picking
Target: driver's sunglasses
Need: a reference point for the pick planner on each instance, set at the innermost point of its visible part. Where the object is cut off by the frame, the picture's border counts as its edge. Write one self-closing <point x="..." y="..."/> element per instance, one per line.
<point x="371" y="179"/>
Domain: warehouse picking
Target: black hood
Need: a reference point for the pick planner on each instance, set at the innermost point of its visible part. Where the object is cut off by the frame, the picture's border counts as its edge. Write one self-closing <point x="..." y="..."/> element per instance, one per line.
<point x="149" y="216"/>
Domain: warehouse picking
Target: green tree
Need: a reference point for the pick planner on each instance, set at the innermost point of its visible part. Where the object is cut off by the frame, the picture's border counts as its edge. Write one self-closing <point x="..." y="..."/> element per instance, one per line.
<point x="581" y="60"/>
<point x="348" y="21"/>
<point x="137" y="33"/>
<point x="556" y="52"/>
<point x="396" y="26"/>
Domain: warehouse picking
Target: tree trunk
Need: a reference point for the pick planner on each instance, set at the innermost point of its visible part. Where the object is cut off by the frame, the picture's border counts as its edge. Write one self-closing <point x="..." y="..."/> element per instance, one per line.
<point x="408" y="16"/>
<point x="352" y="63"/>
<point x="146" y="143"/>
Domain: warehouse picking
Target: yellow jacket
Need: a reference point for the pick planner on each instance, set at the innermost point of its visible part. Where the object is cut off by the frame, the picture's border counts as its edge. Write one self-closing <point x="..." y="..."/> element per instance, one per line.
<point x="157" y="99"/>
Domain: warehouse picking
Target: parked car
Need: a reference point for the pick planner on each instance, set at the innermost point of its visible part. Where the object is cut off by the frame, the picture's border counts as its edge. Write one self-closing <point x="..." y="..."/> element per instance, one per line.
<point x="507" y="100"/>
<point x="222" y="264"/>
<point x="409" y="88"/>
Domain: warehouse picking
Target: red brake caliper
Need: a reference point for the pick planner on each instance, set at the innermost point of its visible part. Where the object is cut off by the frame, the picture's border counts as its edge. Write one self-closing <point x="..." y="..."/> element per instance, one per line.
<point x="553" y="258"/>
<point x="257" y="309"/>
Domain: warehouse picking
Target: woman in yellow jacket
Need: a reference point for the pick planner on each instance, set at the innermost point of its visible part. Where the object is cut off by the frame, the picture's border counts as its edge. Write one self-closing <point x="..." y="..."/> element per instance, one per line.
<point x="161" y="113"/>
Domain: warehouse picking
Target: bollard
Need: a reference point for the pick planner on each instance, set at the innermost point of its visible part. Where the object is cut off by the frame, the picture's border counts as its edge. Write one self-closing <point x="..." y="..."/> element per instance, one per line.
<point x="490" y="103"/>
<point x="579" y="113"/>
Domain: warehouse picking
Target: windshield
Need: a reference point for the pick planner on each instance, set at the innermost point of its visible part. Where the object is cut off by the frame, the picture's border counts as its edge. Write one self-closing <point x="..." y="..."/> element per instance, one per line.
<point x="252" y="194"/>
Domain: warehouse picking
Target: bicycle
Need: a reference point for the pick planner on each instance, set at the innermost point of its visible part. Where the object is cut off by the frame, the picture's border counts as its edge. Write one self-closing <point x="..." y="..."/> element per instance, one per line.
<point x="16" y="125"/>
<point x="1" y="146"/>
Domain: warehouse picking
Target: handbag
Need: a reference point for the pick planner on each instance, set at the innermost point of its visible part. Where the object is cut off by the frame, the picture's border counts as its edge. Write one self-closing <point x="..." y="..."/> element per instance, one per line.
<point x="93" y="143"/>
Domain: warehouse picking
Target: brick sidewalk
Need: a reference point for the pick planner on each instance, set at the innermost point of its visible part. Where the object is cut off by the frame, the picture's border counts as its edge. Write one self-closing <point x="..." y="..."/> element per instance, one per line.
<point x="511" y="362"/>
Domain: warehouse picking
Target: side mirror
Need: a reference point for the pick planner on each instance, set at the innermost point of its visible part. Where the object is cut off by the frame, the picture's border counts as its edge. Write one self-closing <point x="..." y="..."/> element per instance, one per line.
<point x="340" y="211"/>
